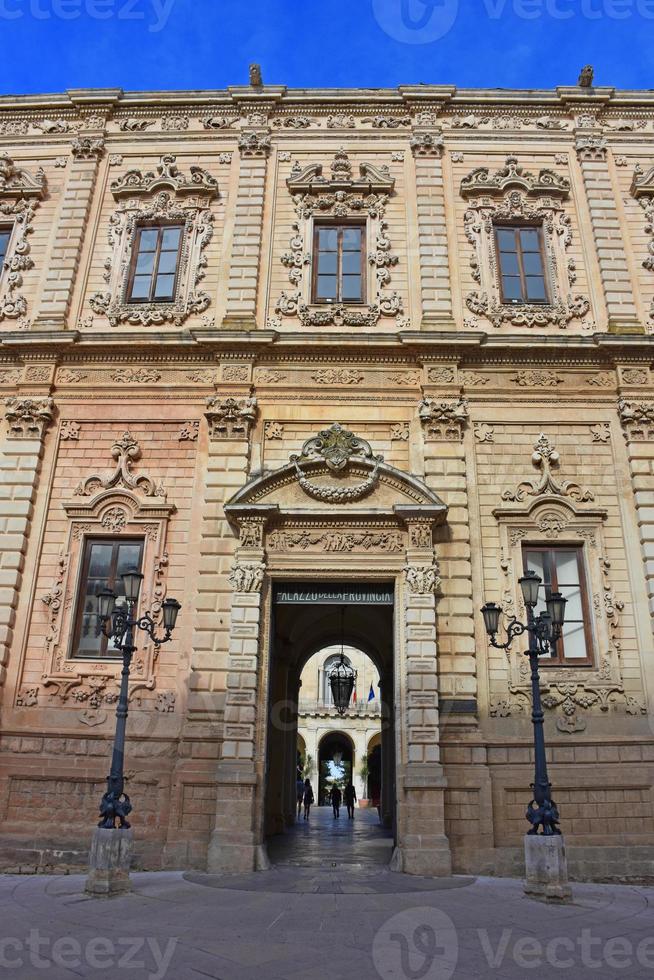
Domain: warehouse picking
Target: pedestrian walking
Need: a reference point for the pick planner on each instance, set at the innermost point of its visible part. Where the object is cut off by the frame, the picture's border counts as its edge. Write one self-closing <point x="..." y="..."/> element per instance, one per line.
<point x="336" y="798"/>
<point x="299" y="793"/>
<point x="350" y="796"/>
<point x="307" y="798"/>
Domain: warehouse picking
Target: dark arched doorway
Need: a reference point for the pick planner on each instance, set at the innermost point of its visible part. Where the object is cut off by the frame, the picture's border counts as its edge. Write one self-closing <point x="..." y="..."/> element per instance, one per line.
<point x="335" y="764"/>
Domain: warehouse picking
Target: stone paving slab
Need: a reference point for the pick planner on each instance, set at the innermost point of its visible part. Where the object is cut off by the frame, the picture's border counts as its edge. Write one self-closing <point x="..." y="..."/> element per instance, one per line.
<point x="390" y="927"/>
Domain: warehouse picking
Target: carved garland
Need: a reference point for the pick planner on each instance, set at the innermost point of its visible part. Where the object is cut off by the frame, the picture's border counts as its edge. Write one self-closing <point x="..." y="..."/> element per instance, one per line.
<point x="166" y="195"/>
<point x="336" y="447"/>
<point x="20" y="193"/>
<point x="341" y="196"/>
<point x="513" y="195"/>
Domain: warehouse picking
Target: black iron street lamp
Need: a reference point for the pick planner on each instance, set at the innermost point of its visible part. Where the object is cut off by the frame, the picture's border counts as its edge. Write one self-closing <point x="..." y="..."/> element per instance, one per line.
<point x="342" y="676"/>
<point x="119" y="625"/>
<point x="544" y="632"/>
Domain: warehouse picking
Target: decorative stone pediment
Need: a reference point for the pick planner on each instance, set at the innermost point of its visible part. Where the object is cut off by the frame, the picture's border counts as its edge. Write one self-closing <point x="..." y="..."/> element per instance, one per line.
<point x="16" y="182"/>
<point x="546" y="458"/>
<point x="335" y="474"/>
<point x="125" y="451"/>
<point x="310" y="179"/>
<point x="166" y="177"/>
<point x="513" y="177"/>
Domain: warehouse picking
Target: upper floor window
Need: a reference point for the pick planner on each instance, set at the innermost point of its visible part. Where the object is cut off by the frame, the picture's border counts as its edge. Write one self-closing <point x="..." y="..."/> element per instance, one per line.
<point x="155" y="264"/>
<point x="522" y="266"/>
<point x="562" y="570"/>
<point x="5" y="235"/>
<point x="104" y="562"/>
<point x="339" y="264"/>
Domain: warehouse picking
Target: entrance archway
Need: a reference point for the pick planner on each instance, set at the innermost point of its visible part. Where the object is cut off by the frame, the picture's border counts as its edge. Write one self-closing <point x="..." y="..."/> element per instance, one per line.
<point x="335" y="764"/>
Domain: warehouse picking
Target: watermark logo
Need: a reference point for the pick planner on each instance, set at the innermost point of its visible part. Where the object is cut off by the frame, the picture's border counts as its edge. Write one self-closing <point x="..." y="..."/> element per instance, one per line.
<point x="99" y="953"/>
<point x="416" y="21"/>
<point x="417" y="944"/>
<point x="153" y="13"/>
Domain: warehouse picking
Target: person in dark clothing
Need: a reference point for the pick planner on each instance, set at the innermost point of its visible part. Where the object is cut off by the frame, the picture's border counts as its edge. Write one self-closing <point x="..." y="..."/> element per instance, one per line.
<point x="336" y="797"/>
<point x="299" y="792"/>
<point x="350" y="796"/>
<point x="307" y="798"/>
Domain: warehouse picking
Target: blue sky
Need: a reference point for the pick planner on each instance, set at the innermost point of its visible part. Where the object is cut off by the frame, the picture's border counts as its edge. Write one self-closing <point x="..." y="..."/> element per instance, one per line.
<point x="51" y="45"/>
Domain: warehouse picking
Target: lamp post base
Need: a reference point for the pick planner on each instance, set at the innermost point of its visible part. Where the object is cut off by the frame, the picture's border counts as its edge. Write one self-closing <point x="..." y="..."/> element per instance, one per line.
<point x="546" y="869"/>
<point x="109" y="863"/>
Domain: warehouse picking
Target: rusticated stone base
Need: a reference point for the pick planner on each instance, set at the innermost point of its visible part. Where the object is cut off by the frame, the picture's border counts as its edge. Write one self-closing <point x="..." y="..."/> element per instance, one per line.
<point x="546" y="869"/>
<point x="109" y="863"/>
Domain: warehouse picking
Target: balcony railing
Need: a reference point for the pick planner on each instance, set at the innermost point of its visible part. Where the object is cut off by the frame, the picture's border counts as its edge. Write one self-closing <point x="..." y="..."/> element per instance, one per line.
<point x="357" y="709"/>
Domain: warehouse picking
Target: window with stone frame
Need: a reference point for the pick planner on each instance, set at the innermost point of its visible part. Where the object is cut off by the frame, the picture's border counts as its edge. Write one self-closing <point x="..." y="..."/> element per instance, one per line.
<point x="561" y="568"/>
<point x="104" y="561"/>
<point x="339" y="257"/>
<point x="154" y="265"/>
<point x="520" y="251"/>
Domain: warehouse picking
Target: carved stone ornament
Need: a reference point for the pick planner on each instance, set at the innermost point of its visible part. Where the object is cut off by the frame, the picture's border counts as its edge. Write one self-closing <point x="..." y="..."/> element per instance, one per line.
<point x="126" y="451"/>
<point x="545" y="458"/>
<point x="443" y="421"/>
<point x="247" y="577"/>
<point x="28" y="418"/>
<point x="20" y="193"/>
<point x="508" y="195"/>
<point x="342" y="541"/>
<point x="637" y="419"/>
<point x="230" y="418"/>
<point x="427" y="144"/>
<point x="253" y="144"/>
<point x="592" y="148"/>
<point x="336" y="447"/>
<point x="164" y="196"/>
<point x="342" y="195"/>
<point x="423" y="580"/>
<point x="87" y="148"/>
<point x="642" y="188"/>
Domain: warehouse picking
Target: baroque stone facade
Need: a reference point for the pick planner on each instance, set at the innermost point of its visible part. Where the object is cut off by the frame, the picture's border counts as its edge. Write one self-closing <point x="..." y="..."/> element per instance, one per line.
<point x="258" y="441"/>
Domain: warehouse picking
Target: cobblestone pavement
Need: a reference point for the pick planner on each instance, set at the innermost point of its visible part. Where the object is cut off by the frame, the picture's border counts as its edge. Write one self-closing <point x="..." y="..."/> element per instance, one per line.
<point x="313" y="922"/>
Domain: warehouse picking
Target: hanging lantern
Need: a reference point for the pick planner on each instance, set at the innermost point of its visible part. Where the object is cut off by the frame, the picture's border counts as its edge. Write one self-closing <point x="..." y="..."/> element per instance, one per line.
<point x="341" y="681"/>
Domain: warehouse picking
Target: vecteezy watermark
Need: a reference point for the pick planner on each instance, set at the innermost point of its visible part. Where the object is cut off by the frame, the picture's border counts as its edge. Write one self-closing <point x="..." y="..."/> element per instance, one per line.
<point x="417" y="944"/>
<point x="425" y="21"/>
<point x="154" y="13"/>
<point x="100" y="953"/>
<point x="567" y="952"/>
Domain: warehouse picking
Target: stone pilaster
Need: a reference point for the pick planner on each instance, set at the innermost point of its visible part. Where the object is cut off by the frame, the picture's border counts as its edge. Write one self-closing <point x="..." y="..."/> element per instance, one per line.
<point x="20" y="466"/>
<point x="241" y="306"/>
<point x="435" y="287"/>
<point x="638" y="422"/>
<point x="70" y="224"/>
<point x="602" y="200"/>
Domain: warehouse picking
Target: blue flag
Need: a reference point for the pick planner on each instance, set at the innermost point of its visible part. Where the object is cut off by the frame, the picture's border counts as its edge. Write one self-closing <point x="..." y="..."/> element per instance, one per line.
<point x="371" y="694"/>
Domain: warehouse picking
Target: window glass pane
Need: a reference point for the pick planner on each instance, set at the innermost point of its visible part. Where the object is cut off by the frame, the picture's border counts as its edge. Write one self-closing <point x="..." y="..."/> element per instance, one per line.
<point x="104" y="562"/>
<point x="509" y="264"/>
<point x="530" y="240"/>
<point x="327" y="287"/>
<point x="164" y="288"/>
<point x="535" y="288"/>
<point x="170" y="239"/>
<point x="511" y="287"/>
<point x="532" y="264"/>
<point x="352" y="287"/>
<point x="168" y="262"/>
<point x="144" y="263"/>
<point x="351" y="239"/>
<point x="4" y="244"/>
<point x="574" y="610"/>
<point x="536" y="561"/>
<point x="567" y="567"/>
<point x="148" y="239"/>
<point x="141" y="287"/>
<point x="352" y="263"/>
<point x="506" y="239"/>
<point x="328" y="239"/>
<point x="327" y="263"/>
<point x="574" y="641"/>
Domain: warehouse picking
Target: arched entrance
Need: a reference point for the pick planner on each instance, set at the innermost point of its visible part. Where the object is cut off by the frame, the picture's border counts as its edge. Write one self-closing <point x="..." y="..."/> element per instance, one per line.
<point x="335" y="527"/>
<point x="335" y="764"/>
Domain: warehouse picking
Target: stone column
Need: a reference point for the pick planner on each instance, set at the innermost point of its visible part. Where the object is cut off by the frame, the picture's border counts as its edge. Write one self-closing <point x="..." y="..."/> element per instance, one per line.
<point x="20" y="465"/>
<point x="422" y="846"/>
<point x="638" y="422"/>
<point x="609" y="240"/>
<point x="241" y="309"/>
<point x="70" y="224"/>
<point x="427" y="148"/>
